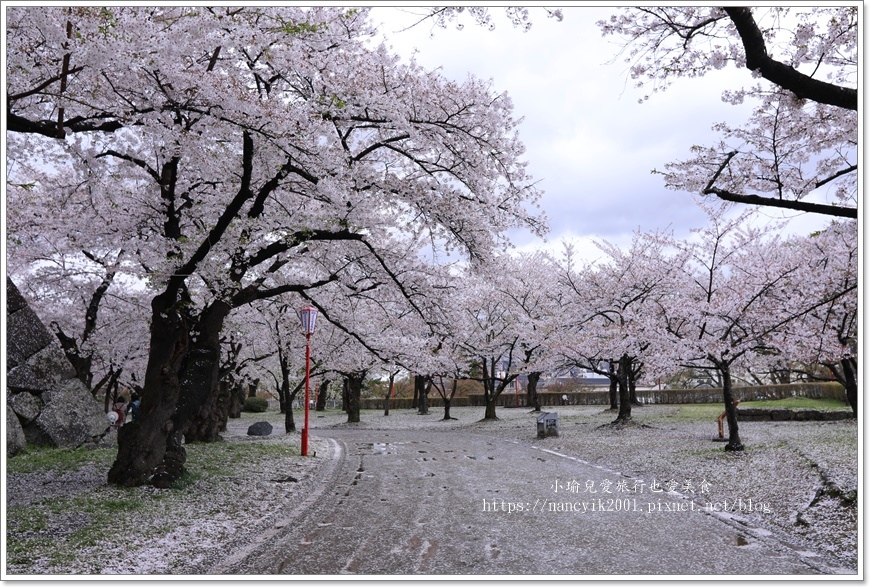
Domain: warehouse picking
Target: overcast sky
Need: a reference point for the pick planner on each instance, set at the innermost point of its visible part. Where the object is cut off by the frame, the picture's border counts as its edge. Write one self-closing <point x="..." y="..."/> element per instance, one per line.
<point x="589" y="140"/>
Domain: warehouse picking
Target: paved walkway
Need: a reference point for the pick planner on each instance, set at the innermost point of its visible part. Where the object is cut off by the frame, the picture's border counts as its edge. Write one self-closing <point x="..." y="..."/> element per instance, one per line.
<point x="454" y="503"/>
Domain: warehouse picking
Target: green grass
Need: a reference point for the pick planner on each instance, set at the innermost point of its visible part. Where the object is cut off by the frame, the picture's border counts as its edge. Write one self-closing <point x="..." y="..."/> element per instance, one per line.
<point x="826" y="403"/>
<point x="710" y="412"/>
<point x="34" y="459"/>
<point x="213" y="458"/>
<point x="698" y="412"/>
<point x="68" y="531"/>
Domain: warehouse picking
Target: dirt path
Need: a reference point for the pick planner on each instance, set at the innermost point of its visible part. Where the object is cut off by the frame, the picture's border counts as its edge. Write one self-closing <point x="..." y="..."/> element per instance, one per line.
<point x="458" y="503"/>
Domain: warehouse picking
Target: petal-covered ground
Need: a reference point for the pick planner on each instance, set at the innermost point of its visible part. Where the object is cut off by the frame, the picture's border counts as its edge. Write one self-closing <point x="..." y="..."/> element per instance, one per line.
<point x="801" y="479"/>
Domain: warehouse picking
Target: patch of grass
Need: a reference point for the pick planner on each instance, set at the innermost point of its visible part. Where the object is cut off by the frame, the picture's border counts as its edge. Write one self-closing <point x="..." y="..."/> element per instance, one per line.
<point x="698" y="412"/>
<point x="98" y="505"/>
<point x="33" y="518"/>
<point x="218" y="458"/>
<point x="710" y="412"/>
<point x="34" y="459"/>
<point x="188" y="479"/>
<point x="826" y="403"/>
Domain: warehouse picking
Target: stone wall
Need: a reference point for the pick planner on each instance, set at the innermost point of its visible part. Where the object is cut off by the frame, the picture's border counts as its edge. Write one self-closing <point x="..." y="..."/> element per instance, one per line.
<point x="45" y="403"/>
<point x="645" y="396"/>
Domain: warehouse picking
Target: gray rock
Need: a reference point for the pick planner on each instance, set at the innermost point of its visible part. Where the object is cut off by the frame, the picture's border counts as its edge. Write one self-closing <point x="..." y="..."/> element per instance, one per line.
<point x="107" y="440"/>
<point x="15" y="439"/>
<point x="25" y="336"/>
<point x="260" y="429"/>
<point x="25" y="406"/>
<point x="70" y="418"/>
<point x="45" y="399"/>
<point x="44" y="370"/>
<point x="14" y="300"/>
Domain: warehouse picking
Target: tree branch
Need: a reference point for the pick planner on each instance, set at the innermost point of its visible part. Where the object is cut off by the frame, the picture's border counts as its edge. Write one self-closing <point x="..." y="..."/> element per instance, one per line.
<point x="826" y="209"/>
<point x="785" y="76"/>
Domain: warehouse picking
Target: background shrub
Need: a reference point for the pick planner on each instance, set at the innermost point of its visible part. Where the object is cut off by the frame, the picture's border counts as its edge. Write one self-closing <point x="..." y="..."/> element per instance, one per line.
<point x="256" y="404"/>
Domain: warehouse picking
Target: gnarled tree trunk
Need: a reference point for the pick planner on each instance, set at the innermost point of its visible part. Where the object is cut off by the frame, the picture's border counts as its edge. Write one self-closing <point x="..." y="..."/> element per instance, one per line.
<point x="354" y="392"/>
<point x="422" y="386"/>
<point x="322" y="394"/>
<point x="142" y="444"/>
<point x="202" y="412"/>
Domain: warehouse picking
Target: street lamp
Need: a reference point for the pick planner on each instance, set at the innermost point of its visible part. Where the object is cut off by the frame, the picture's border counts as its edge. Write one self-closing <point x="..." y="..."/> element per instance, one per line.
<point x="309" y="317"/>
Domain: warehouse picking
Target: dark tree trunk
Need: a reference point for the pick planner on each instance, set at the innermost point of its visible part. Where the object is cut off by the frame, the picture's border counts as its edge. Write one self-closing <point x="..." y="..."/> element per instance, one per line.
<point x="224" y="406"/>
<point x="345" y="395"/>
<point x="421" y="383"/>
<point x="111" y="383"/>
<point x="354" y="388"/>
<point x="388" y="399"/>
<point x="284" y="399"/>
<point x="734" y="443"/>
<point x="491" y="389"/>
<point x="320" y="406"/>
<point x="614" y="386"/>
<point x="235" y="405"/>
<point x="237" y="398"/>
<point x="200" y="414"/>
<point x="489" y="395"/>
<point x="142" y="444"/>
<point x="850" y="382"/>
<point x="81" y="364"/>
<point x="449" y="399"/>
<point x="622" y="372"/>
<point x="532" y="390"/>
<point x="489" y="411"/>
<point x="289" y="422"/>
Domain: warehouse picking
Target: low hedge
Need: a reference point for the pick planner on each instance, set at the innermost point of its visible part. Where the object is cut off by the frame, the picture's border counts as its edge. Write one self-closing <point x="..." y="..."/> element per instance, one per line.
<point x="255" y="404"/>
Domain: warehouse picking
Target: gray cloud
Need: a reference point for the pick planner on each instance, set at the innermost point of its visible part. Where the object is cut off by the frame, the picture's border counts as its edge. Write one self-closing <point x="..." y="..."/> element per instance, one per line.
<point x="589" y="141"/>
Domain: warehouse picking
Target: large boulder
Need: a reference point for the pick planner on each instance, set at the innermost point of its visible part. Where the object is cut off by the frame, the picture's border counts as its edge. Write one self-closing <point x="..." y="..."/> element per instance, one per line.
<point x="260" y="429"/>
<point x="70" y="417"/>
<point x="43" y="370"/>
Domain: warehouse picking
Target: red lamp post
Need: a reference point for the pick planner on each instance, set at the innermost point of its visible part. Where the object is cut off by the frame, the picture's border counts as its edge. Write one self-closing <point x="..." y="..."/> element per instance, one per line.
<point x="308" y="316"/>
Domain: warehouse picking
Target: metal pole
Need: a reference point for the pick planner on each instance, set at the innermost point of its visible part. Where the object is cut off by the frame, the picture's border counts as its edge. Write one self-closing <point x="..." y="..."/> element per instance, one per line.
<point x="307" y="377"/>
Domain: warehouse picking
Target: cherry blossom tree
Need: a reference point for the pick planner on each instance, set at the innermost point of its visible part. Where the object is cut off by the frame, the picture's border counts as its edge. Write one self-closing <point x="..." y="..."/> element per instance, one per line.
<point x="529" y="283"/>
<point x="444" y="16"/>
<point x="488" y="335"/>
<point x="801" y="140"/>
<point x="504" y="321"/>
<point x="611" y="308"/>
<point x="245" y="153"/>
<point x="827" y="334"/>
<point x="736" y="299"/>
